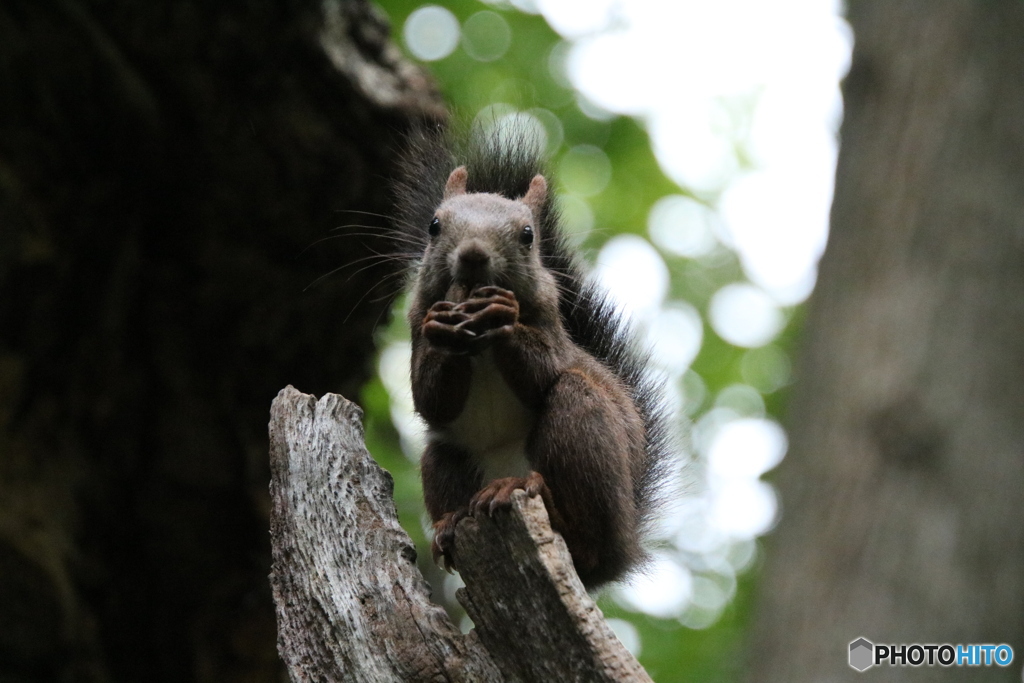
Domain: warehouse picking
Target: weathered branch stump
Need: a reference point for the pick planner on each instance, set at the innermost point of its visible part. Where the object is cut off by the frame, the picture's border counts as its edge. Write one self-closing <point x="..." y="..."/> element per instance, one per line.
<point x="352" y="606"/>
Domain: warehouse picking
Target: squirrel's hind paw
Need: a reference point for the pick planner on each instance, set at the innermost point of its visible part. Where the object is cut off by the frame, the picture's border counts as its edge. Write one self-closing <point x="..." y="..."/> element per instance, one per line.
<point x="442" y="548"/>
<point x="498" y="493"/>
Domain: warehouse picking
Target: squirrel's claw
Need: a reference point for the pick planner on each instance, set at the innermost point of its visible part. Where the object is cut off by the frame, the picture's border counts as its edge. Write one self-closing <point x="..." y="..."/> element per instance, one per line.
<point x="483" y="297"/>
<point x="492" y="317"/>
<point x="442" y="558"/>
<point x="445" y="313"/>
<point x="491" y="311"/>
<point x="442" y="547"/>
<point x="442" y="326"/>
<point x="498" y="493"/>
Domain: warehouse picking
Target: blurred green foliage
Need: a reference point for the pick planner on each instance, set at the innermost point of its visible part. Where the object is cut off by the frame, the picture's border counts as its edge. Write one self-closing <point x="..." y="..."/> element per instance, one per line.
<point x="523" y="78"/>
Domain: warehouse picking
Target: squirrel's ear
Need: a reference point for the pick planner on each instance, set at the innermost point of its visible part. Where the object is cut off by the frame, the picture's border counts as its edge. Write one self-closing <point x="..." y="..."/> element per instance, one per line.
<point x="456" y="184"/>
<point x="537" y="194"/>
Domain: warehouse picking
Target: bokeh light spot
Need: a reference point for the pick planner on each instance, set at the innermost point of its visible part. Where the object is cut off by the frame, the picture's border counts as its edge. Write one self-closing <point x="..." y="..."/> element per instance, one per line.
<point x="742" y="399"/>
<point x="577" y="217"/>
<point x="558" y="60"/>
<point x="708" y="594"/>
<point x="744" y="315"/>
<point x="662" y="591"/>
<point x="697" y="618"/>
<point x="585" y="170"/>
<point x="682" y="226"/>
<point x="743" y="508"/>
<point x="534" y="131"/>
<point x="634" y="275"/>
<point x="767" y="368"/>
<point x="552" y="125"/>
<point x="486" y="36"/>
<point x="675" y="336"/>
<point x="779" y="222"/>
<point x="431" y="33"/>
<point x="691" y="150"/>
<point x="491" y="116"/>
<point x="746" y="448"/>
<point x="694" y="392"/>
<point x="393" y="368"/>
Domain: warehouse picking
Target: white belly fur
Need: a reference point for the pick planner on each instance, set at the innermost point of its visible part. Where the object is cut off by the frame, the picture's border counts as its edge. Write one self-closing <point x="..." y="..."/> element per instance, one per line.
<point x="493" y="425"/>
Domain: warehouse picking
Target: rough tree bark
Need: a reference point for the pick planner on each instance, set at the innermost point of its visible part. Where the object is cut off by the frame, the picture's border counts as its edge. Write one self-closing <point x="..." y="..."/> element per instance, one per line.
<point x="163" y="167"/>
<point x="352" y="606"/>
<point x="903" y="490"/>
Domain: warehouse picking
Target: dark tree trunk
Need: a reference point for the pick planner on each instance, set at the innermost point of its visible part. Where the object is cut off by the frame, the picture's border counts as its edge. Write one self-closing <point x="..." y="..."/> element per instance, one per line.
<point x="163" y="165"/>
<point x="904" y="487"/>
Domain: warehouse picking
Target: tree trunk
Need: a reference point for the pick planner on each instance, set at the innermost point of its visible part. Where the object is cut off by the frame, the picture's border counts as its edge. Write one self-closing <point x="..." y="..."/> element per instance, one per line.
<point x="903" y="490"/>
<point x="163" y="167"/>
<point x="352" y="606"/>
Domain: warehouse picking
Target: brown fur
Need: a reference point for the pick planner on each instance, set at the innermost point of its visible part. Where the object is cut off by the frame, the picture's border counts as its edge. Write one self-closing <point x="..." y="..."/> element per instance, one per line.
<point x="483" y="296"/>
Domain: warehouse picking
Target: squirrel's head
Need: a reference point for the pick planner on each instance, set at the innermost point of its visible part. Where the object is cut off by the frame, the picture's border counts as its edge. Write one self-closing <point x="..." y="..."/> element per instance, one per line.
<point x="479" y="238"/>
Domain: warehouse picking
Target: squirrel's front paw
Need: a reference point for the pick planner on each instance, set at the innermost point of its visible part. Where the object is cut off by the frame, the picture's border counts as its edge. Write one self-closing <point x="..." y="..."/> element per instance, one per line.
<point x="490" y="311"/>
<point x="442" y="548"/>
<point x="442" y="327"/>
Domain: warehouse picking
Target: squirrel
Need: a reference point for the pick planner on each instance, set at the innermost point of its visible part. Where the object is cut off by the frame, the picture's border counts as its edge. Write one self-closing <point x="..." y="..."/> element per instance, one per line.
<point x="524" y="372"/>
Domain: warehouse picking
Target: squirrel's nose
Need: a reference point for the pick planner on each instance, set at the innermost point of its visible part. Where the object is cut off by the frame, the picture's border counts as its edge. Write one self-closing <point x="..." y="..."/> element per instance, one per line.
<point x="473" y="256"/>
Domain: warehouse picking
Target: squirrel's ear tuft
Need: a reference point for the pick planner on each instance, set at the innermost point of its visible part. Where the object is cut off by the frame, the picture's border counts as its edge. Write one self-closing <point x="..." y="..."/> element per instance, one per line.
<point x="456" y="184"/>
<point x="537" y="194"/>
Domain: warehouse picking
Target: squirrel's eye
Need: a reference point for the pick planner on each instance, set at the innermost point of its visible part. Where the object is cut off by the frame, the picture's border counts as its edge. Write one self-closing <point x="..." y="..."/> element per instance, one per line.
<point x="526" y="237"/>
<point x="435" y="227"/>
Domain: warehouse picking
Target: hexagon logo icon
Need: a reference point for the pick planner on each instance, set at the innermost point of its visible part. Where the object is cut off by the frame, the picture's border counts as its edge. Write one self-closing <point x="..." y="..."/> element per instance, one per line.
<point x="862" y="653"/>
